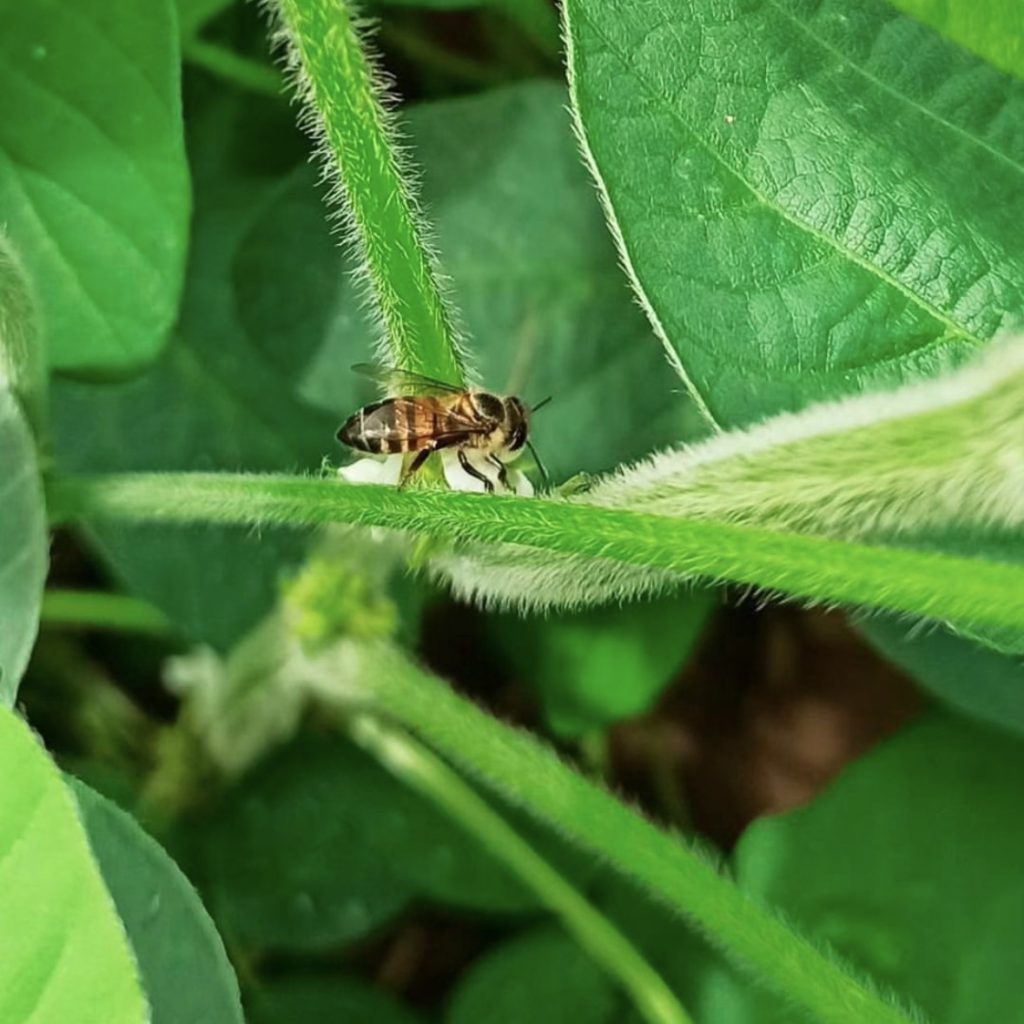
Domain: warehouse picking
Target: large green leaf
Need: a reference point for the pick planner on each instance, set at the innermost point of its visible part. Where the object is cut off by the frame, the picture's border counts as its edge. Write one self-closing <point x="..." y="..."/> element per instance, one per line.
<point x="23" y="545"/>
<point x="976" y="680"/>
<point x="181" y="958"/>
<point x="313" y="999"/>
<point x="990" y="28"/>
<point x="813" y="197"/>
<point x="596" y="667"/>
<point x="93" y="180"/>
<point x="210" y="402"/>
<point x="542" y="977"/>
<point x="319" y="845"/>
<point x="910" y="866"/>
<point x="535" y="277"/>
<point x="63" y="952"/>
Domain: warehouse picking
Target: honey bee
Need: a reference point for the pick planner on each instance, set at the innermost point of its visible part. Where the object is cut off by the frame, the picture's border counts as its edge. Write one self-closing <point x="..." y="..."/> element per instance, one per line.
<point x="429" y="415"/>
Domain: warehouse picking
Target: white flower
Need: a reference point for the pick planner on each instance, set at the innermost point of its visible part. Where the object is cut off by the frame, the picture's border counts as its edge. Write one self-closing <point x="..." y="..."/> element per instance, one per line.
<point x="388" y="470"/>
<point x="459" y="480"/>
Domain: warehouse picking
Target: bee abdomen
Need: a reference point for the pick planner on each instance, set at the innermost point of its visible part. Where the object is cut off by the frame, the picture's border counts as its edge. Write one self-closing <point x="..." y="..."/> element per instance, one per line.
<point x="383" y="428"/>
<point x="349" y="432"/>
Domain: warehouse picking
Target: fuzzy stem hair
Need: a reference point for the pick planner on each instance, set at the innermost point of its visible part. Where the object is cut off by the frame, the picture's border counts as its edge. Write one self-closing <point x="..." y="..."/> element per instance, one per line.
<point x="346" y="115"/>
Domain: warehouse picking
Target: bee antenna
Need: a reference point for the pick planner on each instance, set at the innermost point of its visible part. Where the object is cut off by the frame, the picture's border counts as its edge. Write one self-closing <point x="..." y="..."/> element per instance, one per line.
<point x="540" y="404"/>
<point x="540" y="465"/>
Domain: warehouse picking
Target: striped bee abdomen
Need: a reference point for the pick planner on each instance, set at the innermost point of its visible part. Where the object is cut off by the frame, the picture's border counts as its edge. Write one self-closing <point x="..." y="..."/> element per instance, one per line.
<point x="395" y="425"/>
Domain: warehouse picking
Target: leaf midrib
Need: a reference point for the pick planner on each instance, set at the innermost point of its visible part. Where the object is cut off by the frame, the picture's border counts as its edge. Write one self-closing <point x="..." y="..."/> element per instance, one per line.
<point x="783" y="214"/>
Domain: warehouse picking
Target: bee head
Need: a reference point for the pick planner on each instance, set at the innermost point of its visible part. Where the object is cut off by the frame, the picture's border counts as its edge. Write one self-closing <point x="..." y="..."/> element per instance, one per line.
<point x="517" y="420"/>
<point x="489" y="406"/>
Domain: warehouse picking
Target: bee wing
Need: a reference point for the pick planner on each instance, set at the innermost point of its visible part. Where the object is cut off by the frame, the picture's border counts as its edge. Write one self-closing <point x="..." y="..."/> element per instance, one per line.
<point x="405" y="381"/>
<point x="448" y="425"/>
<point x="453" y="422"/>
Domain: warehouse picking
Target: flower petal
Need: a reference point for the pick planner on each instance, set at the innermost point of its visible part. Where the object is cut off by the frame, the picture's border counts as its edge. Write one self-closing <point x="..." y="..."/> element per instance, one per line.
<point x="387" y="470"/>
<point x="459" y="480"/>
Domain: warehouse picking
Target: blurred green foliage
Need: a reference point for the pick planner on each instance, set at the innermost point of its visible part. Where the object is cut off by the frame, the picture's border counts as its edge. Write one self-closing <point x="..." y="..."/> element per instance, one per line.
<point x="807" y="199"/>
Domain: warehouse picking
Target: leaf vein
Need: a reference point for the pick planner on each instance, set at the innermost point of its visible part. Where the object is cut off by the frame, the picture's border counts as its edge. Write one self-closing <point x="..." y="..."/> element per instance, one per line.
<point x="854" y="257"/>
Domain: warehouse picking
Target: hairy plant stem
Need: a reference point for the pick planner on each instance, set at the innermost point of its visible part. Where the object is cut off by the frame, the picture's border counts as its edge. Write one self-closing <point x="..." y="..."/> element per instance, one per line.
<point x="425" y="772"/>
<point x="969" y="591"/>
<point x="336" y="78"/>
<point x="530" y="776"/>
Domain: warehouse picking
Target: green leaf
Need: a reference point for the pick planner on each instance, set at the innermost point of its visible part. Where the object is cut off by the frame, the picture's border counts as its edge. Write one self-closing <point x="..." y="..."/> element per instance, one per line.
<point x="212" y="400"/>
<point x="24" y="545"/>
<point x="909" y="865"/>
<point x="93" y="180"/>
<point x="989" y="28"/>
<point x="311" y="999"/>
<point x="976" y="680"/>
<point x="541" y="976"/>
<point x="596" y="667"/>
<point x="319" y="846"/>
<point x="181" y="958"/>
<point x="286" y="862"/>
<point x="811" y="198"/>
<point x="63" y="952"/>
<point x="532" y="270"/>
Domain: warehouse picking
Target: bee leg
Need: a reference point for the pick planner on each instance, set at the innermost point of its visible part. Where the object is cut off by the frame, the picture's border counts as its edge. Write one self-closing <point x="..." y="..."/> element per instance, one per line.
<point x="502" y="471"/>
<point x="417" y="463"/>
<point x="474" y="472"/>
